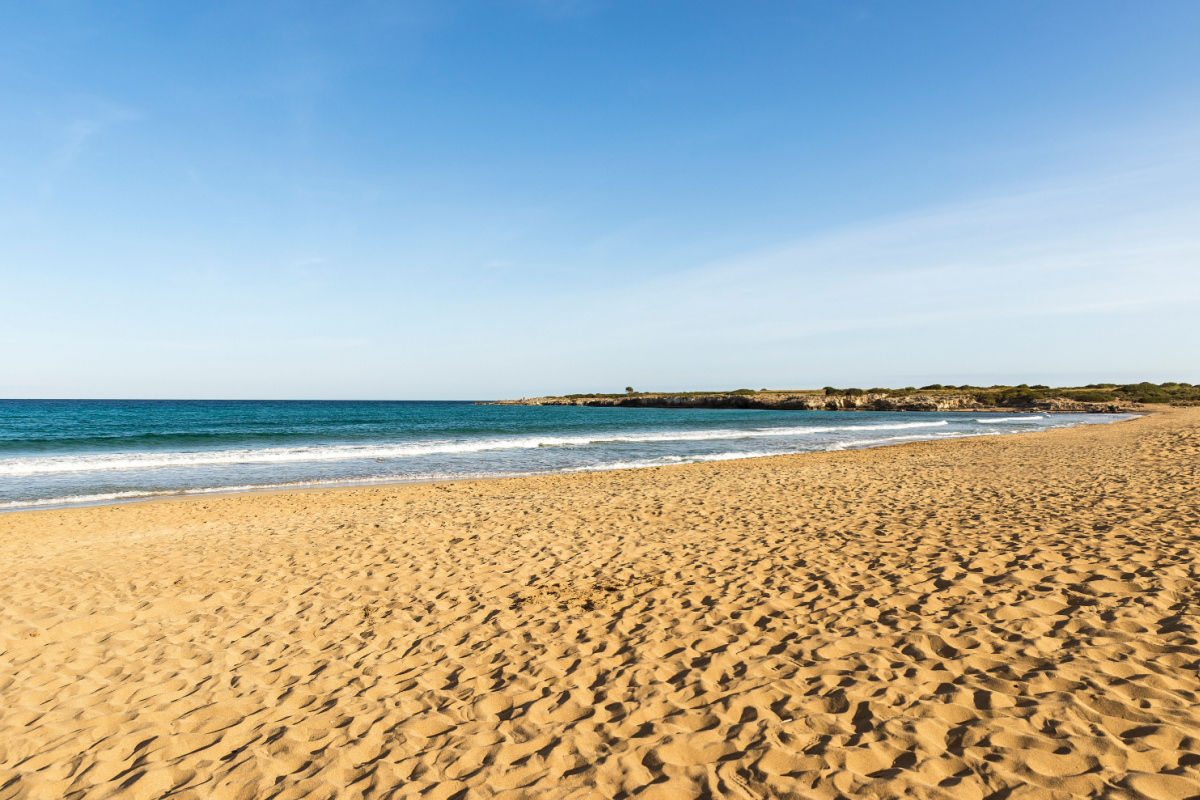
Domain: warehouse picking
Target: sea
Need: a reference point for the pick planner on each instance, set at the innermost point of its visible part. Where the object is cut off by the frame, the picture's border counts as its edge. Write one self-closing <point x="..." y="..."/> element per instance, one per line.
<point x="66" y="452"/>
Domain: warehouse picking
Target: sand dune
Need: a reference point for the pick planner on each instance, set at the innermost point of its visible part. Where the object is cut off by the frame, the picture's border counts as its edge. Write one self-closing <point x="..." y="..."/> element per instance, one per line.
<point x="1002" y="617"/>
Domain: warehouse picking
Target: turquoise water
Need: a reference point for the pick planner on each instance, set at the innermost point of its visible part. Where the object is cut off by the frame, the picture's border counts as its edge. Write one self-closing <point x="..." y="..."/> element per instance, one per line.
<point x="56" y="452"/>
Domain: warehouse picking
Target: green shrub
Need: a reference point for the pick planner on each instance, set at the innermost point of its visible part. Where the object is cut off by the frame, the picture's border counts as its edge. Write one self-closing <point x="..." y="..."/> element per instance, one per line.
<point x="1089" y="396"/>
<point x="931" y="387"/>
<point x="1016" y="397"/>
<point x="1166" y="393"/>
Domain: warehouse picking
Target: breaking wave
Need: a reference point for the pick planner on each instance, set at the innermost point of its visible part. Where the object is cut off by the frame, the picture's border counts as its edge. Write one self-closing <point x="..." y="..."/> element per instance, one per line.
<point x="280" y="455"/>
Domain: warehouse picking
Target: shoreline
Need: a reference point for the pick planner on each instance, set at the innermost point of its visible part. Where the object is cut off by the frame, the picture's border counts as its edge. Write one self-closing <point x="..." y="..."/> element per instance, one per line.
<point x="201" y="494"/>
<point x="931" y="619"/>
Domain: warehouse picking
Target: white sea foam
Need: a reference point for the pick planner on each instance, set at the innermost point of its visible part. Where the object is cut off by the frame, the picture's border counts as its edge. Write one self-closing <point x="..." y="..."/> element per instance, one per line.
<point x="275" y="455"/>
<point x="1023" y="418"/>
<point x="869" y="442"/>
<point x="666" y="461"/>
<point x="661" y="461"/>
<point x="111" y="497"/>
<point x="288" y="454"/>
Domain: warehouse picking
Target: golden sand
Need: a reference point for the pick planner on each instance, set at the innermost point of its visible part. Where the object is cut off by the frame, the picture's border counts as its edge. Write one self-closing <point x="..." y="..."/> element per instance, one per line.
<point x="1001" y="617"/>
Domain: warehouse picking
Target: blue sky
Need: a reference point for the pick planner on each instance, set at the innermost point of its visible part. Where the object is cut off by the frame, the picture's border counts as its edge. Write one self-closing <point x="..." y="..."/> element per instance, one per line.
<point x="473" y="200"/>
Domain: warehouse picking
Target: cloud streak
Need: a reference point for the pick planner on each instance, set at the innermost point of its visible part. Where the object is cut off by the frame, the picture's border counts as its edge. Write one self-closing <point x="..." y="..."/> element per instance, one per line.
<point x="72" y="138"/>
<point x="1100" y="244"/>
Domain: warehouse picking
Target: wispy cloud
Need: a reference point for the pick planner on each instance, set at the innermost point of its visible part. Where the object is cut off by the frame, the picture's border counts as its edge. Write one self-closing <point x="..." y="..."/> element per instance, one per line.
<point x="1098" y="244"/>
<point x="70" y="137"/>
<point x="1050" y="279"/>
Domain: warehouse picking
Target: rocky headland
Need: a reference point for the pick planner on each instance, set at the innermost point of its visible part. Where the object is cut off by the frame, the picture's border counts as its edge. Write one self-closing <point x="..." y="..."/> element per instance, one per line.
<point x="820" y="401"/>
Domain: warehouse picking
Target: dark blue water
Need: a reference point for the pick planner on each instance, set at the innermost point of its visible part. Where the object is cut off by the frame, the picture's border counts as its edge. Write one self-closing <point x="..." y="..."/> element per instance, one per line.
<point x="78" y="451"/>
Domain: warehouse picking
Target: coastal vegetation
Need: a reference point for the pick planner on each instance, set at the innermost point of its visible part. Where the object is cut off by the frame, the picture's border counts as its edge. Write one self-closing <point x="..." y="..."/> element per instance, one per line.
<point x="1172" y="392"/>
<point x="1095" y="397"/>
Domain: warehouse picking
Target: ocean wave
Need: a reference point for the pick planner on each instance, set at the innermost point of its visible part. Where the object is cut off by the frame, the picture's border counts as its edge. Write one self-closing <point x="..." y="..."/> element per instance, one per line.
<point x="1024" y="418"/>
<point x="150" y="494"/>
<point x="275" y="455"/>
<point x="660" y="461"/>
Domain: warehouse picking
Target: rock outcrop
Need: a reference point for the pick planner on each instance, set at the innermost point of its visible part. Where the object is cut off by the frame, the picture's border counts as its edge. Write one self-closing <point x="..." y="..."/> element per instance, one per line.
<point x="815" y="401"/>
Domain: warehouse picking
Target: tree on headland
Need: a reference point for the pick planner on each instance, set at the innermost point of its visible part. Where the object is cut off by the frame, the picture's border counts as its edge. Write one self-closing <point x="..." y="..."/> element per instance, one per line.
<point x="628" y="390"/>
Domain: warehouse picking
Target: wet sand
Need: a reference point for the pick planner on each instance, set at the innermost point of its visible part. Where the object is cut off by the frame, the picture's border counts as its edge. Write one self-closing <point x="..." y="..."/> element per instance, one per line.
<point x="1000" y="617"/>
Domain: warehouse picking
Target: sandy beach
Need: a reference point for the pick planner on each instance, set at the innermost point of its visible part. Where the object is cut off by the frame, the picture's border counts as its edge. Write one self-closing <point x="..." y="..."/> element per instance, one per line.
<point x="1007" y="617"/>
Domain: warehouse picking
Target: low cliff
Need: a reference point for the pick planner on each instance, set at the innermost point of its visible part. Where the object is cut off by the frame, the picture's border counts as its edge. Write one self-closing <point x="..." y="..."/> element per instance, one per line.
<point x="815" y="401"/>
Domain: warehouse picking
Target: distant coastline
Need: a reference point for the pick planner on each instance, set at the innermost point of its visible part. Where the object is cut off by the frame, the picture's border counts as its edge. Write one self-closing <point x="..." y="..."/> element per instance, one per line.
<point x="1093" y="399"/>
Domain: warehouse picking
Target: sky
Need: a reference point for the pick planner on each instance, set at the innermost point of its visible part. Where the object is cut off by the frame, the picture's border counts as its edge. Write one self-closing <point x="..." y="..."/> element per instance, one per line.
<point x="453" y="200"/>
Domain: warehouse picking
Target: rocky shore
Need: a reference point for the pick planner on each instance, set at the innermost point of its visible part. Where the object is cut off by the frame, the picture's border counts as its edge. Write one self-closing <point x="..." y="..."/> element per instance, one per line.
<point x="818" y="401"/>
